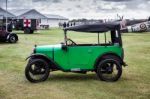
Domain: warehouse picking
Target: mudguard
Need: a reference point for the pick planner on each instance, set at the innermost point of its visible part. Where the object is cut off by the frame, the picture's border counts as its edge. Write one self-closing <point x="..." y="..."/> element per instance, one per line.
<point x="52" y="64"/>
<point x="110" y="53"/>
<point x="10" y="34"/>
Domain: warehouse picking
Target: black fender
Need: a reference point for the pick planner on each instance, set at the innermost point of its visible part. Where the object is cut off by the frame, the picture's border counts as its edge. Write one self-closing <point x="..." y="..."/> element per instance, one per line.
<point x="12" y="34"/>
<point x="109" y="53"/>
<point x="53" y="65"/>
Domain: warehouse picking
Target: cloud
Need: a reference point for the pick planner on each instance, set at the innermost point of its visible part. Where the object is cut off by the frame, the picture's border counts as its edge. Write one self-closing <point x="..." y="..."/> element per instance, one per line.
<point x="117" y="0"/>
<point x="85" y="8"/>
<point x="53" y="1"/>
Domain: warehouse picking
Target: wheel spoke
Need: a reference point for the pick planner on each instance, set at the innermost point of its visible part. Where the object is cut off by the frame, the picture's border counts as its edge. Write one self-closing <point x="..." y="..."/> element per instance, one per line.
<point x="109" y="70"/>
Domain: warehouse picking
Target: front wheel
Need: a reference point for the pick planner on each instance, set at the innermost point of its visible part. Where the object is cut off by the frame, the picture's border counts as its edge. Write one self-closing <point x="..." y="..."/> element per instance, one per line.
<point x="37" y="70"/>
<point x="109" y="70"/>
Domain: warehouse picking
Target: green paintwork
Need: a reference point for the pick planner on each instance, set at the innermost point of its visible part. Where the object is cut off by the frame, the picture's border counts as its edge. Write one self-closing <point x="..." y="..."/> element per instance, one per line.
<point x="77" y="57"/>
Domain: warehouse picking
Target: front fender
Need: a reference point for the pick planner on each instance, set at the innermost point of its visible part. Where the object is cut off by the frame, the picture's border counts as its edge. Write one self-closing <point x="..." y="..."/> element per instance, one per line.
<point x="52" y="64"/>
<point x="37" y="55"/>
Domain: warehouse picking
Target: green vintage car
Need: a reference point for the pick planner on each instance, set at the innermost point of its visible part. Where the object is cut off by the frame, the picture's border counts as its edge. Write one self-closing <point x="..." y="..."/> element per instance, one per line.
<point x="105" y="59"/>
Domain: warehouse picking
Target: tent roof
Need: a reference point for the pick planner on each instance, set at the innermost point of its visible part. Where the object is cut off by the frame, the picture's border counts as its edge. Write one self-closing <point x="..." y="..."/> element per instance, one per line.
<point x="4" y="13"/>
<point x="32" y="14"/>
<point x="18" y="12"/>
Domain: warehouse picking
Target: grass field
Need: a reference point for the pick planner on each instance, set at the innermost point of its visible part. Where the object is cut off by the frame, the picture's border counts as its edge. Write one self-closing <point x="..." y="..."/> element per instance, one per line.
<point x="134" y="83"/>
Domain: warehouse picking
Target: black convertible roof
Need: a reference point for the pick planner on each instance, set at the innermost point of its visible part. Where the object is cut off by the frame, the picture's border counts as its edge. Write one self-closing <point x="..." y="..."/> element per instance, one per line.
<point x="94" y="28"/>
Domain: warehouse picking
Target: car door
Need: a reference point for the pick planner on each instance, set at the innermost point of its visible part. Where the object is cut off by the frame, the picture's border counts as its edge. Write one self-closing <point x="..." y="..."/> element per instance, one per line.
<point x="78" y="57"/>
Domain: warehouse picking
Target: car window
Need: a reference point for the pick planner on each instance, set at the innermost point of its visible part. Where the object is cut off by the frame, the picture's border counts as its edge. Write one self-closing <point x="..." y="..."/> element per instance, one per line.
<point x="89" y="38"/>
<point x="102" y="38"/>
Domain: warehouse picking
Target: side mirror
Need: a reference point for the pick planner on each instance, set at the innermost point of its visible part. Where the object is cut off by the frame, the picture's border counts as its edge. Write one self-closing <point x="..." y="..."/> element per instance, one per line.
<point x="64" y="47"/>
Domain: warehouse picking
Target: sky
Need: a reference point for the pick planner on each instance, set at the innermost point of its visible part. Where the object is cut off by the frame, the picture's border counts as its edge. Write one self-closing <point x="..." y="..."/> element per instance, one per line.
<point x="90" y="9"/>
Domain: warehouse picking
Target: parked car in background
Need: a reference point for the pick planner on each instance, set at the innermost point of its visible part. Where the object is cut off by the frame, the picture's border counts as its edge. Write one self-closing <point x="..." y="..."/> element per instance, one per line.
<point x="7" y="36"/>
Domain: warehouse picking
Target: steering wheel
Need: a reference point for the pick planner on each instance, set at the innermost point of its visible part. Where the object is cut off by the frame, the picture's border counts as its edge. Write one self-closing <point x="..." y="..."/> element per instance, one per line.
<point x="71" y="42"/>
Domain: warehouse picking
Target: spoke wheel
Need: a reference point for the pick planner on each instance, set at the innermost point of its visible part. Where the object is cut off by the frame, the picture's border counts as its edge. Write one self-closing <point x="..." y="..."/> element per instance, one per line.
<point x="37" y="70"/>
<point x="109" y="70"/>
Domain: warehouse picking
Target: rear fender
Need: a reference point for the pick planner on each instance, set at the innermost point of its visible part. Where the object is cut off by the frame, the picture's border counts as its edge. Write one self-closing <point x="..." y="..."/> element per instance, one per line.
<point x="113" y="54"/>
<point x="10" y="34"/>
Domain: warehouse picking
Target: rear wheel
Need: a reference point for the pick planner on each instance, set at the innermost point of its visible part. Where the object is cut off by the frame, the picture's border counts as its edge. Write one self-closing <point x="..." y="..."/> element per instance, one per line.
<point x="109" y="70"/>
<point x="12" y="39"/>
<point x="31" y="31"/>
<point x="37" y="70"/>
<point x="27" y="30"/>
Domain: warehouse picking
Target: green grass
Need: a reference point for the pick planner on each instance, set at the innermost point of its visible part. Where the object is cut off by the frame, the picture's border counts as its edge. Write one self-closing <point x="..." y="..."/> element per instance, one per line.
<point x="134" y="83"/>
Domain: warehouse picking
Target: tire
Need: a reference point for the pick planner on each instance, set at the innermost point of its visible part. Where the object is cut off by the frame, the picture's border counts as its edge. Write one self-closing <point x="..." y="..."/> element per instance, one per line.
<point x="27" y="30"/>
<point x="106" y="67"/>
<point x="12" y="39"/>
<point x="31" y="31"/>
<point x="39" y="65"/>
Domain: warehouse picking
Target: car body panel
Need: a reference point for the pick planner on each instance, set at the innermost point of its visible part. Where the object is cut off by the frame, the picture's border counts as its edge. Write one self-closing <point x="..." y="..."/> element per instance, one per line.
<point x="47" y="50"/>
<point x="77" y="58"/>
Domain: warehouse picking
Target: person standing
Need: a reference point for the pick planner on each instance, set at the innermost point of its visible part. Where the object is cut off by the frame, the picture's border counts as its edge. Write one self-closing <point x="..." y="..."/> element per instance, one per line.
<point x="68" y="24"/>
<point x="64" y="25"/>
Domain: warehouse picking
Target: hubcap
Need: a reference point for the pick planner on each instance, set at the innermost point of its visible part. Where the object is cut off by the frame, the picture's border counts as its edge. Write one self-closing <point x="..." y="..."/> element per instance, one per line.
<point x="37" y="71"/>
<point x="109" y="70"/>
<point x="12" y="39"/>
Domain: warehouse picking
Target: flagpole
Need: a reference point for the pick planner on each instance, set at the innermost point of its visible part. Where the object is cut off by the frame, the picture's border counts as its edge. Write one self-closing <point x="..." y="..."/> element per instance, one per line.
<point x="6" y="15"/>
